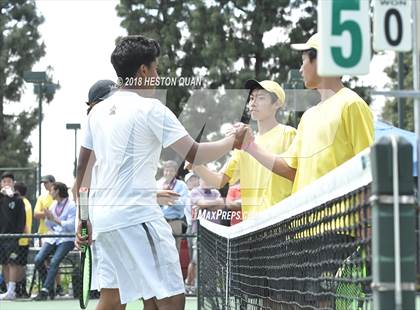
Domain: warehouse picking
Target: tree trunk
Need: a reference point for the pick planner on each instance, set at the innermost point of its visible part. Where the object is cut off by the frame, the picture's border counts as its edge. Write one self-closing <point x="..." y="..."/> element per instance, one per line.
<point x="2" y="83"/>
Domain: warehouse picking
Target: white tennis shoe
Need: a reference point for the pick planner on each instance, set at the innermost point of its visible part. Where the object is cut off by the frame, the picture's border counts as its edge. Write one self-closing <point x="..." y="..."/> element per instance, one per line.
<point x="8" y="296"/>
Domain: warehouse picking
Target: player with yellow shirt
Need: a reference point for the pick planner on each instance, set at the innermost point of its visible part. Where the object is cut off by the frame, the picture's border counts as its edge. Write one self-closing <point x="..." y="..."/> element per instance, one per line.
<point x="330" y="133"/>
<point x="43" y="203"/>
<point x="260" y="188"/>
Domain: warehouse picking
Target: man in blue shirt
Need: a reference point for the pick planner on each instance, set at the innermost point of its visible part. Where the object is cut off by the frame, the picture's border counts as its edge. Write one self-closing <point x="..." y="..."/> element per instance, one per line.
<point x="60" y="220"/>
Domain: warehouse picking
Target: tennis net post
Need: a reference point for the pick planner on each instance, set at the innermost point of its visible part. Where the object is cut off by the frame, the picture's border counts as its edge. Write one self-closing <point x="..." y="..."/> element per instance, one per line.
<point x="394" y="253"/>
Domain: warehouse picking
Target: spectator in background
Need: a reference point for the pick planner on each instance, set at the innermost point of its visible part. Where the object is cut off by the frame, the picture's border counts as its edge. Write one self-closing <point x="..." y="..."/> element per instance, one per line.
<point x="60" y="220"/>
<point x="207" y="201"/>
<point x="22" y="258"/>
<point x="43" y="203"/>
<point x="174" y="213"/>
<point x="192" y="182"/>
<point x="12" y="221"/>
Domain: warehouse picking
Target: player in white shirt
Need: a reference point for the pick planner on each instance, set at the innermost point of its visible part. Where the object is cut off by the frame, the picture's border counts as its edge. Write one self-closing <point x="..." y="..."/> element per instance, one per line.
<point x="134" y="250"/>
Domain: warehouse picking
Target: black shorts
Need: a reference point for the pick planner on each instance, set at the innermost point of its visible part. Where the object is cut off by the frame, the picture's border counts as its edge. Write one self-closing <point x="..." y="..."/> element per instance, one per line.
<point x="8" y="251"/>
<point x="22" y="258"/>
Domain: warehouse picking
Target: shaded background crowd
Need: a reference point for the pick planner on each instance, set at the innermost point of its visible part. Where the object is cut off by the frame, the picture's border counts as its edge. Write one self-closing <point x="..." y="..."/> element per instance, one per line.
<point x="55" y="213"/>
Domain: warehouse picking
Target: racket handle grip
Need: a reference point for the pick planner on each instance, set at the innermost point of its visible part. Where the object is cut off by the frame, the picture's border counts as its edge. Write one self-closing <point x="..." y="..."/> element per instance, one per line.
<point x="84" y="204"/>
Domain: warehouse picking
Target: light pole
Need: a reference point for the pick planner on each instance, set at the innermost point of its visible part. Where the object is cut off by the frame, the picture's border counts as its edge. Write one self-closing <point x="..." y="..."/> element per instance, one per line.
<point x="75" y="127"/>
<point x="41" y="86"/>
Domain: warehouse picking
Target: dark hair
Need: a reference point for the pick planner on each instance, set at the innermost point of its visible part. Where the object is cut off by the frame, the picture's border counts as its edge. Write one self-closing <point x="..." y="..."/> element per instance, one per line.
<point x="131" y="52"/>
<point x="312" y="54"/>
<point x="62" y="189"/>
<point x="21" y="188"/>
<point x="8" y="174"/>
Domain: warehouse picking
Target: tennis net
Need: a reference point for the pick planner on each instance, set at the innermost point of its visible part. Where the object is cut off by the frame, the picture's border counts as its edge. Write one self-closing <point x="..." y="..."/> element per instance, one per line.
<point x="311" y="251"/>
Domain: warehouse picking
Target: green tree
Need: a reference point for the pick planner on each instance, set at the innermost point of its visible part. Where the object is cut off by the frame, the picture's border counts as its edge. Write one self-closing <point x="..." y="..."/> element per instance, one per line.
<point x="390" y="111"/>
<point x="163" y="21"/>
<point x="221" y="40"/>
<point x="20" y="48"/>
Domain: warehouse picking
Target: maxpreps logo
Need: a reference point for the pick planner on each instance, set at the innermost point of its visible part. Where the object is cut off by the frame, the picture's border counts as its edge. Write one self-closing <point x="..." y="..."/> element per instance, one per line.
<point x="219" y="215"/>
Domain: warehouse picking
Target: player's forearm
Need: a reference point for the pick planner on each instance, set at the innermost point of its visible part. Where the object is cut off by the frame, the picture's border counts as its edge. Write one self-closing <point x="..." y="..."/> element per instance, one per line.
<point x="273" y="162"/>
<point x="39" y="215"/>
<point x="82" y="172"/>
<point x="201" y="153"/>
<point x="210" y="151"/>
<point x="211" y="204"/>
<point x="213" y="179"/>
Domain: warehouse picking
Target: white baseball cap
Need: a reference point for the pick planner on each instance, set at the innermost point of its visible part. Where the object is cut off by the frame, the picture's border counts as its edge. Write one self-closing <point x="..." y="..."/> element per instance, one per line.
<point x="313" y="42"/>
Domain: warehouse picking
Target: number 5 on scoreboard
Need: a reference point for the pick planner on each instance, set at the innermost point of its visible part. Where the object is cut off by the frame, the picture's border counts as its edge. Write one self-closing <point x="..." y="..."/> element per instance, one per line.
<point x="344" y="29"/>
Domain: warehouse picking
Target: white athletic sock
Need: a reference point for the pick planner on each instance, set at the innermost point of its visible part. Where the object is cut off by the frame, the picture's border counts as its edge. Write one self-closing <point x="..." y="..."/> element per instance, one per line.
<point x="11" y="287"/>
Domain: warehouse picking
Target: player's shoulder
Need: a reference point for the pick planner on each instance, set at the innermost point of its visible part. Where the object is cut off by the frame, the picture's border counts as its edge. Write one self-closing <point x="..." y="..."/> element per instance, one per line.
<point x="43" y="197"/>
<point x="17" y="198"/>
<point x="311" y="111"/>
<point x="349" y="97"/>
<point x="129" y="100"/>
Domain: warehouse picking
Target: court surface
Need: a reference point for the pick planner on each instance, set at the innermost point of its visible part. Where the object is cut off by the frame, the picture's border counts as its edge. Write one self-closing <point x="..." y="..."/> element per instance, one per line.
<point x="73" y="304"/>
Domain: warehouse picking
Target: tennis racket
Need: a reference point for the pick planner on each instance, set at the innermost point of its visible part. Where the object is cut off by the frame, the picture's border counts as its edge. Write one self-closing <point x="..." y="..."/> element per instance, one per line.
<point x="86" y="257"/>
<point x="351" y="294"/>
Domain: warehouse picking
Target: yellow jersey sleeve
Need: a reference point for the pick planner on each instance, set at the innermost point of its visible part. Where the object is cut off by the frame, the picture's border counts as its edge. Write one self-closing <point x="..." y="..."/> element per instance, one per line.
<point x="291" y="155"/>
<point x="289" y="137"/>
<point x="38" y="205"/>
<point x="358" y="122"/>
<point x="28" y="210"/>
<point x="28" y="222"/>
<point x="231" y="169"/>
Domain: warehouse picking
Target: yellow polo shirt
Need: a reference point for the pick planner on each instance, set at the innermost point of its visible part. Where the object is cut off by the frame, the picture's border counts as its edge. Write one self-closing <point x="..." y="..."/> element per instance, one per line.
<point x="43" y="202"/>
<point x="260" y="188"/>
<point x="328" y="135"/>
<point x="28" y="221"/>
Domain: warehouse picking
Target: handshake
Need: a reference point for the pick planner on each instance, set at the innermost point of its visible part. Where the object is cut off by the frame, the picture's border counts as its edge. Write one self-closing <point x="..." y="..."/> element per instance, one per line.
<point x="243" y="136"/>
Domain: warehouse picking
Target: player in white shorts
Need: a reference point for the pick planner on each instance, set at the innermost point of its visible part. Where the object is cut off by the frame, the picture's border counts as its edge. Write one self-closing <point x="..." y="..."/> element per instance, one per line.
<point x="134" y="250"/>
